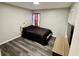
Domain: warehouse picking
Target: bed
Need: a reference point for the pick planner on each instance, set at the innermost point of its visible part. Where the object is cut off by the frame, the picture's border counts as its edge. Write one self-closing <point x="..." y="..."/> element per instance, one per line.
<point x="37" y="34"/>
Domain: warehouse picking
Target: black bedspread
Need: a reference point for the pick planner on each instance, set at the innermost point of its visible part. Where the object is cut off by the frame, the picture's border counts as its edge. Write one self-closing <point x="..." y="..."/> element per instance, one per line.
<point x="38" y="34"/>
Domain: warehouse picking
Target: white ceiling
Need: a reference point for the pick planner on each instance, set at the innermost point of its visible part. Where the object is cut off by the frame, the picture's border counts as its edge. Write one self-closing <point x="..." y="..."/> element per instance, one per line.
<point x="42" y="5"/>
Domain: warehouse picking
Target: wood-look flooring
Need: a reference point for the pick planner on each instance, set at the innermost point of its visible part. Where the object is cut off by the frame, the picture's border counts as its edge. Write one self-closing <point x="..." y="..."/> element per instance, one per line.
<point x="25" y="47"/>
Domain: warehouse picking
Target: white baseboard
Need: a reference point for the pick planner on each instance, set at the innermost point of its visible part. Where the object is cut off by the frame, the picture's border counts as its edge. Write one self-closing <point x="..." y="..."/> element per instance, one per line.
<point x="10" y="39"/>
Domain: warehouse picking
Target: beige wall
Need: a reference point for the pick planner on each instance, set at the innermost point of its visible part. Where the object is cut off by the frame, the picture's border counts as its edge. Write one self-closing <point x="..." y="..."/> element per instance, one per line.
<point x="55" y="19"/>
<point x="11" y="18"/>
<point x="72" y="14"/>
<point x="74" y="49"/>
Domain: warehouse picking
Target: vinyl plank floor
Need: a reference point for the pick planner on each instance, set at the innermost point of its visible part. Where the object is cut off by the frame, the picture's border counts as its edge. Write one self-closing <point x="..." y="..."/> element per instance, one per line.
<point x="24" y="47"/>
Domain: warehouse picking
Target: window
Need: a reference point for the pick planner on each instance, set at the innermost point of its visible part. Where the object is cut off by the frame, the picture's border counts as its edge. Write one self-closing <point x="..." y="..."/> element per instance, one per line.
<point x="36" y="18"/>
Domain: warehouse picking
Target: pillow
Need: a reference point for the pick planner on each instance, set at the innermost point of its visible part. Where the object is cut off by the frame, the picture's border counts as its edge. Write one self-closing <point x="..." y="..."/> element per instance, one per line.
<point x="49" y="36"/>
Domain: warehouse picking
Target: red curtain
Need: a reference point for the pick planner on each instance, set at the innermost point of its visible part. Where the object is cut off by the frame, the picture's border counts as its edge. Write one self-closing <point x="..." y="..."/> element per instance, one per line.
<point x="36" y="18"/>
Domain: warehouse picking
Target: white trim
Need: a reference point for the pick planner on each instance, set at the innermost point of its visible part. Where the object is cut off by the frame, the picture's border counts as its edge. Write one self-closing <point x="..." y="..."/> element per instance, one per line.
<point x="10" y="39"/>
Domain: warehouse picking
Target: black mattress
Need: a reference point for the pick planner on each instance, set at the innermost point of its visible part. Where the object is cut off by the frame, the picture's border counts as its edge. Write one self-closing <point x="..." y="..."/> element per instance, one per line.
<point x="38" y="34"/>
